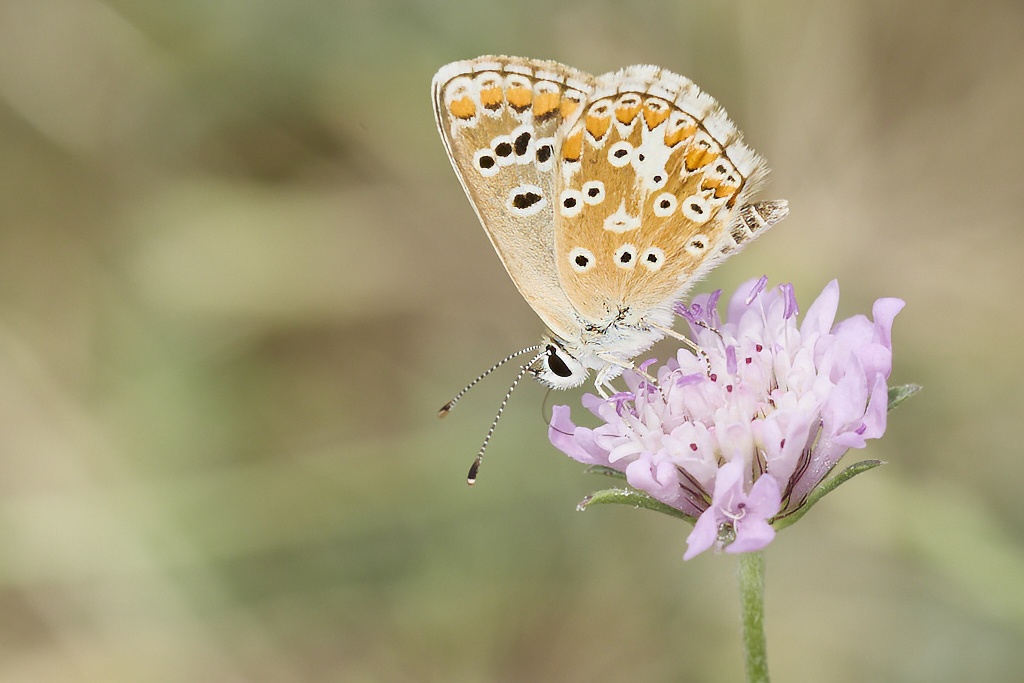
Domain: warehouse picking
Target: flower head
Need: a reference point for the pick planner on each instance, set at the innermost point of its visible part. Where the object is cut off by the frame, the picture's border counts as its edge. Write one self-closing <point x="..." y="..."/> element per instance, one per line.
<point x="745" y="442"/>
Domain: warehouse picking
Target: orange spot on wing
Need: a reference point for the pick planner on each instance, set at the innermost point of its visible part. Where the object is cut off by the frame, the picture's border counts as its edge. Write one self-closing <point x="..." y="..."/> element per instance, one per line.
<point x="491" y="98"/>
<point x="723" y="191"/>
<point x="627" y="114"/>
<point x="597" y="126"/>
<point x="674" y="136"/>
<point x="569" y="105"/>
<point x="519" y="98"/>
<point x="545" y="103"/>
<point x="721" y="188"/>
<point x="463" y="108"/>
<point x="572" y="148"/>
<point x="699" y="156"/>
<point x="654" y="117"/>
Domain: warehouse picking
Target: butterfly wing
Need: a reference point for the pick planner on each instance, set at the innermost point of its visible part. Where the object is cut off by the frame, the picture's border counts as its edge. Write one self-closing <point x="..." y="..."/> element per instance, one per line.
<point x="651" y="180"/>
<point x="502" y="120"/>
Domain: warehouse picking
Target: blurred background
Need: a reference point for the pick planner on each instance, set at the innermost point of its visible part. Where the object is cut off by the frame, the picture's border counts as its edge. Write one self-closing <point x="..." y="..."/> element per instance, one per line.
<point x="238" y="278"/>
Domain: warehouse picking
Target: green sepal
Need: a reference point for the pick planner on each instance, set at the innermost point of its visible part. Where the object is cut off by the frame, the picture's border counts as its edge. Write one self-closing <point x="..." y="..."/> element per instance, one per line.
<point x="827" y="487"/>
<point x="633" y="498"/>
<point x="898" y="395"/>
<point x="606" y="471"/>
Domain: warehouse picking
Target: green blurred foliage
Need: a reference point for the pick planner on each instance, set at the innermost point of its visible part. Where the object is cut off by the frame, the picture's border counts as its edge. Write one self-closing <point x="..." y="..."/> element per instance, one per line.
<point x="237" y="278"/>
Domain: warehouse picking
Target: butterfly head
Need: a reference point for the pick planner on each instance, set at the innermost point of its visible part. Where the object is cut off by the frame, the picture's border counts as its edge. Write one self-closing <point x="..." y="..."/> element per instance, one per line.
<point x="558" y="368"/>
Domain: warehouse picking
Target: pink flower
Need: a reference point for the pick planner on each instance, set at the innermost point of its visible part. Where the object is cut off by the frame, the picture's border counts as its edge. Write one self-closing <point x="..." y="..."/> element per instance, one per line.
<point x="740" y="517"/>
<point x="745" y="444"/>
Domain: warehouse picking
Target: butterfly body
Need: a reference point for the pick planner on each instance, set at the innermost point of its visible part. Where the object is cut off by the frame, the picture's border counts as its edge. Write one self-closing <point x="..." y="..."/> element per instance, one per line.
<point x="605" y="197"/>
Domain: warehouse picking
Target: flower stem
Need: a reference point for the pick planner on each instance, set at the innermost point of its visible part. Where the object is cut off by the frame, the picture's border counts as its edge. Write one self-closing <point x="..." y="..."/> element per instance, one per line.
<point x="751" y="577"/>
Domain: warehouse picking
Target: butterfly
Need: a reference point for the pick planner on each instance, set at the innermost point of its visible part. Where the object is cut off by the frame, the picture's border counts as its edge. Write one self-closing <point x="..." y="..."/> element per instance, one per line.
<point x="605" y="197"/>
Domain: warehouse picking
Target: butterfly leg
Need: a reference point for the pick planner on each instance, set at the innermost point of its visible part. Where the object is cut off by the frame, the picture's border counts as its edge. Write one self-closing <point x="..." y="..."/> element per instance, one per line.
<point x="602" y="382"/>
<point x="614" y="364"/>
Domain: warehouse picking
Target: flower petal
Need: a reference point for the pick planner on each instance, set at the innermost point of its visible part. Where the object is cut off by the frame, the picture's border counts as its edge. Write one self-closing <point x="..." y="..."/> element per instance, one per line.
<point x="751" y="536"/>
<point x="764" y="498"/>
<point x="576" y="442"/>
<point x="703" y="536"/>
<point x="819" y="317"/>
<point x="884" y="312"/>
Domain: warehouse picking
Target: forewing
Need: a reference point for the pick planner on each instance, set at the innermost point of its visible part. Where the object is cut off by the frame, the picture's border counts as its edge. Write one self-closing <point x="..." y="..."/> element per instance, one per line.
<point x="502" y="120"/>
<point x="651" y="180"/>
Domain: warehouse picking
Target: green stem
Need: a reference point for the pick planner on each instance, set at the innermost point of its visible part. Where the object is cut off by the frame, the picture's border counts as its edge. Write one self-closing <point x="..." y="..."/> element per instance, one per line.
<point x="751" y="576"/>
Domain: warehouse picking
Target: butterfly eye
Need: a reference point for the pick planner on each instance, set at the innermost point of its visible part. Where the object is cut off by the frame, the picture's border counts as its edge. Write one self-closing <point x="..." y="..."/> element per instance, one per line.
<point x="653" y="258"/>
<point x="570" y="203"/>
<point x="697" y="209"/>
<point x="593" y="192"/>
<point x="625" y="256"/>
<point x="556" y="364"/>
<point x="665" y="205"/>
<point x="560" y="370"/>
<point x="620" y="154"/>
<point x="485" y="162"/>
<point x="581" y="259"/>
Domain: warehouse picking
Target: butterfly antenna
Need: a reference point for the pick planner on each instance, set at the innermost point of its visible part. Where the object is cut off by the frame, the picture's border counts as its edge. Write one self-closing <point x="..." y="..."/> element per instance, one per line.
<point x="447" y="407"/>
<point x="475" y="467"/>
